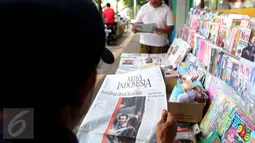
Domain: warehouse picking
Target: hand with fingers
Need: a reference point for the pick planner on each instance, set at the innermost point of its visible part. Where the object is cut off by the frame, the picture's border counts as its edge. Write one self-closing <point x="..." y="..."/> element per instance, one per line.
<point x="158" y="31"/>
<point x="166" y="128"/>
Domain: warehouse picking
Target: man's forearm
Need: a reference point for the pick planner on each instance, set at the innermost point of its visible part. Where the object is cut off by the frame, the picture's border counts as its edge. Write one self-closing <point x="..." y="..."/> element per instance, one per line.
<point x="167" y="30"/>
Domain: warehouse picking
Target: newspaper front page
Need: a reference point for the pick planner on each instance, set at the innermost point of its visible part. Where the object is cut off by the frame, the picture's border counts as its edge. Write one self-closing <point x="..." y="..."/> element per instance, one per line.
<point x="126" y="109"/>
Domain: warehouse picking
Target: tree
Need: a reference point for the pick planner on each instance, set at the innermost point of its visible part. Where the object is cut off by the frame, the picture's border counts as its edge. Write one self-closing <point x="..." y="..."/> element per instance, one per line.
<point x="130" y="4"/>
<point x="98" y="3"/>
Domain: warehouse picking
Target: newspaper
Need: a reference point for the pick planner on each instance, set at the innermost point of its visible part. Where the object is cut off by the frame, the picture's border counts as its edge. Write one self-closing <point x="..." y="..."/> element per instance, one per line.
<point x="127" y="108"/>
<point x="134" y="61"/>
<point x="144" y="28"/>
<point x="170" y="60"/>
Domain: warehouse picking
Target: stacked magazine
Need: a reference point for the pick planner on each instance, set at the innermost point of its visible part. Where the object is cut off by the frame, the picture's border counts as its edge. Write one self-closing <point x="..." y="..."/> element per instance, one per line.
<point x="126" y="109"/>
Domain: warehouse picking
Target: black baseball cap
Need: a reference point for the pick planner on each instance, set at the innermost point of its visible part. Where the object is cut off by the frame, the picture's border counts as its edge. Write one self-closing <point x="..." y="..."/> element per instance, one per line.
<point x="54" y="18"/>
<point x="48" y="44"/>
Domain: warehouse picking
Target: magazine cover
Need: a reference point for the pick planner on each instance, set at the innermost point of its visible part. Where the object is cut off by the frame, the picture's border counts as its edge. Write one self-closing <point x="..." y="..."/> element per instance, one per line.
<point x="232" y="71"/>
<point x="222" y="67"/>
<point x="177" y="52"/>
<point x="208" y="80"/>
<point x="243" y="42"/>
<point x="220" y="18"/>
<point x="213" y="17"/>
<point x="241" y="129"/>
<point x="212" y="36"/>
<point x="252" y="23"/>
<point x="194" y="24"/>
<point x="200" y="29"/>
<point x="191" y="38"/>
<point x="237" y="37"/>
<point x="221" y="35"/>
<point x="220" y="61"/>
<point x="245" y="22"/>
<point x="209" y="30"/>
<point x="236" y="22"/>
<point x="246" y="86"/>
<point x="228" y="21"/>
<point x="196" y="43"/>
<point x="185" y="32"/>
<point x="126" y="108"/>
<point x="205" y="27"/>
<point x="213" y="88"/>
<point x="218" y="115"/>
<point x="190" y="59"/>
<point x="248" y="52"/>
<point x="214" y="60"/>
<point x="201" y="50"/>
<point x="208" y="54"/>
<point x="237" y="19"/>
<point x="229" y="42"/>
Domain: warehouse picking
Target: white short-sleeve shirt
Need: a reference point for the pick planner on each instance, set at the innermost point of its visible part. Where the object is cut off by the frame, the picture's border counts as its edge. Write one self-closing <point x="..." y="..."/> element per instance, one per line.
<point x="162" y="16"/>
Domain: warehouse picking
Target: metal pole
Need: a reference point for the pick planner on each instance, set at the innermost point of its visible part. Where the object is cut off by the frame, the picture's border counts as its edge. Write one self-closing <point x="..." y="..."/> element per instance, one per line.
<point x="134" y="8"/>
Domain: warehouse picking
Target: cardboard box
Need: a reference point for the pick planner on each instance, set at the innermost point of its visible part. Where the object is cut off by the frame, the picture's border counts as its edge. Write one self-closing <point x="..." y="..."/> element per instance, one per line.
<point x="183" y="112"/>
<point x="186" y="112"/>
<point x="170" y="83"/>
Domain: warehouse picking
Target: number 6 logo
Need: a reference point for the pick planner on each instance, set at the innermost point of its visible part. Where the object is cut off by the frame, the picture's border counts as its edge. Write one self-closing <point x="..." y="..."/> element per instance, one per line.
<point x="14" y="122"/>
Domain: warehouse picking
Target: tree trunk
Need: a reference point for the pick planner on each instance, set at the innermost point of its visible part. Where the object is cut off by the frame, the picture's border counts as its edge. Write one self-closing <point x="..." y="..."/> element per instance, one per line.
<point x="99" y="6"/>
<point x="117" y="7"/>
<point x="202" y="4"/>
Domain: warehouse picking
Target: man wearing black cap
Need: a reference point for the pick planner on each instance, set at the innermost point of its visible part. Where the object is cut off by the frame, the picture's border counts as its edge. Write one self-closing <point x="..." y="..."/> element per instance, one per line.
<point x="49" y="53"/>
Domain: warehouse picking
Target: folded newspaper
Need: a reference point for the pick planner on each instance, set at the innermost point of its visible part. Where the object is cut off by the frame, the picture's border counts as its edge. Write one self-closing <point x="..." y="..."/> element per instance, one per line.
<point x="127" y="109"/>
<point x="170" y="60"/>
<point x="144" y="28"/>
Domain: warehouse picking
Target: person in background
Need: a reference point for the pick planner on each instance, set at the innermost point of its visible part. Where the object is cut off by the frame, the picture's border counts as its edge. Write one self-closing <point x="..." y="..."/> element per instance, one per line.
<point x="155" y="11"/>
<point x="47" y="64"/>
<point x="109" y="20"/>
<point x="108" y="14"/>
<point x="249" y="51"/>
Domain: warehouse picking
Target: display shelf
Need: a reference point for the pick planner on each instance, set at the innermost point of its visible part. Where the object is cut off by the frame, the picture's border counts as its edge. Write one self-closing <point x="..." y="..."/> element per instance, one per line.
<point x="244" y="11"/>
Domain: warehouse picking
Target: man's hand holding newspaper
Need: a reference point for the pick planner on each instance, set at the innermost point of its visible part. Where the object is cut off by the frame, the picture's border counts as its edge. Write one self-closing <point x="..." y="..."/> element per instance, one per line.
<point x="166" y="128"/>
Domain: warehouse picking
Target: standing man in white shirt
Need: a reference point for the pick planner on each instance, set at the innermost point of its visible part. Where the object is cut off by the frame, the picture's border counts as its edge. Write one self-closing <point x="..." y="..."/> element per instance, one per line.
<point x="155" y="11"/>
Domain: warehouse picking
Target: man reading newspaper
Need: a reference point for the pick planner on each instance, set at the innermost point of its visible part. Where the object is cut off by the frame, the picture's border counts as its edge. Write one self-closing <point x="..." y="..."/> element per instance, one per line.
<point x="155" y="11"/>
<point x="48" y="65"/>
